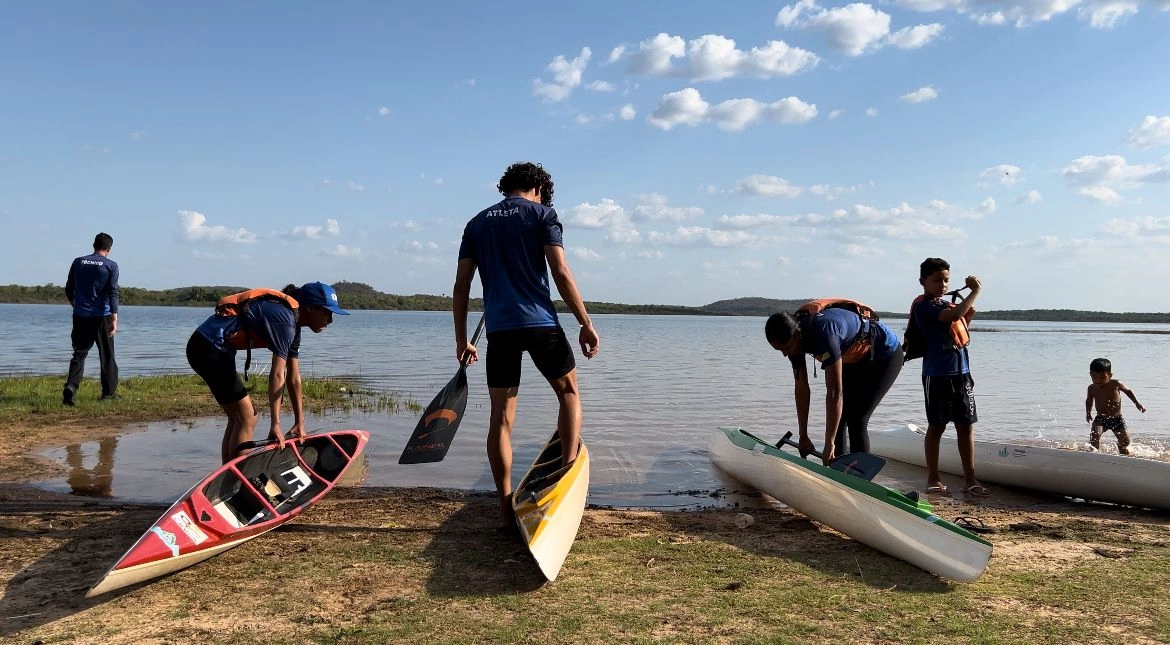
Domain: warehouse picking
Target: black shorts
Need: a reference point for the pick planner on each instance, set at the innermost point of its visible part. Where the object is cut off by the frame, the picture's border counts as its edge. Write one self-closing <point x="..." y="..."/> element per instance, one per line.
<point x="218" y="370"/>
<point x="950" y="399"/>
<point x="548" y="347"/>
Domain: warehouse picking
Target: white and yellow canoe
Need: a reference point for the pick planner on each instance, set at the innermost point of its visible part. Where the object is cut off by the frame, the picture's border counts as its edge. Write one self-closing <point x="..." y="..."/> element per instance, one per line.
<point x="549" y="503"/>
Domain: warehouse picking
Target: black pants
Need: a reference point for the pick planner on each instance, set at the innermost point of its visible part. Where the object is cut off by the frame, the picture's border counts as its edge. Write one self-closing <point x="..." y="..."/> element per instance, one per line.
<point x="87" y="331"/>
<point x="864" y="384"/>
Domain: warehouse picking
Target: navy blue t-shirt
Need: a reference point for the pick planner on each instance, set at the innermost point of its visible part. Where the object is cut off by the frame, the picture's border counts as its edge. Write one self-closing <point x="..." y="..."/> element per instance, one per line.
<point x="828" y="334"/>
<point x="940" y="357"/>
<point x="269" y="320"/>
<point x="92" y="286"/>
<point x="507" y="242"/>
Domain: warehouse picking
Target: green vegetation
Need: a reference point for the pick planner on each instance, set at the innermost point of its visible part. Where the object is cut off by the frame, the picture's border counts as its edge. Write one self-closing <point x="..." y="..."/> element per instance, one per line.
<point x="36" y="400"/>
<point x="358" y="295"/>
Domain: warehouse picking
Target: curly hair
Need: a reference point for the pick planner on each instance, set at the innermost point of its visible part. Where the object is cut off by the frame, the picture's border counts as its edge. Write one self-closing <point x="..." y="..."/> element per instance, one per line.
<point x="520" y="177"/>
<point x="930" y="266"/>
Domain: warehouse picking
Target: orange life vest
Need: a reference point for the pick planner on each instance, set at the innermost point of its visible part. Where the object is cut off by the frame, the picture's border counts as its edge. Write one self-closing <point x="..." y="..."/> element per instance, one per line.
<point x="861" y="347"/>
<point x="958" y="337"/>
<point x="235" y="304"/>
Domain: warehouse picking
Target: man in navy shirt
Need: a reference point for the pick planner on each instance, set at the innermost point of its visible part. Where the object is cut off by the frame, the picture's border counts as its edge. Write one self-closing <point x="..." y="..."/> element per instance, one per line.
<point x="92" y="289"/>
<point x="510" y="243"/>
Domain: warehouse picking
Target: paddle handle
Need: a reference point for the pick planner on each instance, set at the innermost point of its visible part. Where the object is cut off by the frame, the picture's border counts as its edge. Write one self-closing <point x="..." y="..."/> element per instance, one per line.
<point x="787" y="439"/>
<point x="474" y="337"/>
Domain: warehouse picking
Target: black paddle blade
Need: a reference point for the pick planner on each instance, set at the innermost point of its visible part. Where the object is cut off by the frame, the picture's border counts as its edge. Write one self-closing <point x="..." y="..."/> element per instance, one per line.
<point x="858" y="464"/>
<point x="432" y="436"/>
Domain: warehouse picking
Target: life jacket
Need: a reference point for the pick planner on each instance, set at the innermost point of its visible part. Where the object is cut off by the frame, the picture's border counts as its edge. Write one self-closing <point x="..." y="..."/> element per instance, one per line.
<point x="862" y="345"/>
<point x="958" y="337"/>
<point x="235" y="304"/>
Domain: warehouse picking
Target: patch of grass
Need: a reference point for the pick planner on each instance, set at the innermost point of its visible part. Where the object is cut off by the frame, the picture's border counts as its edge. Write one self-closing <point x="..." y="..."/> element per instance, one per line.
<point x="36" y="400"/>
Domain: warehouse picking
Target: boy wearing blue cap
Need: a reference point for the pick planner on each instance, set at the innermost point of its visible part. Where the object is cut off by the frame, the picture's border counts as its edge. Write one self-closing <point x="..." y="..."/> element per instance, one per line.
<point x="259" y="318"/>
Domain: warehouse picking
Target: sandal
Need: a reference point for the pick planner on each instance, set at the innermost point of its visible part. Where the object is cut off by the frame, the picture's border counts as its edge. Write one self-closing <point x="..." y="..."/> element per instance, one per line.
<point x="977" y="490"/>
<point x="974" y="524"/>
<point x="938" y="490"/>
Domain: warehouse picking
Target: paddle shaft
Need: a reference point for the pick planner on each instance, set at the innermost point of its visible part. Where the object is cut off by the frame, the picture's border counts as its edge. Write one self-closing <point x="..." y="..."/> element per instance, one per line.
<point x="858" y="464"/>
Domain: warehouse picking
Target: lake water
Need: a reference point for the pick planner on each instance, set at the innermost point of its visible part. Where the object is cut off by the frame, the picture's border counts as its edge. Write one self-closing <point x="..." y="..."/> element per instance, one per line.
<point x="659" y="387"/>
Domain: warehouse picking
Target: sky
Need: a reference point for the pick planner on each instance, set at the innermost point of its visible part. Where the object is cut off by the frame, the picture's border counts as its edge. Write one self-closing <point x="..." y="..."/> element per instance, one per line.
<point x="700" y="150"/>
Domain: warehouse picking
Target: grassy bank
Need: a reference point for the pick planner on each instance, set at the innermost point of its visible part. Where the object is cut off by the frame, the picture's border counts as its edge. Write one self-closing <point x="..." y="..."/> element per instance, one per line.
<point x="425" y="566"/>
<point x="35" y="401"/>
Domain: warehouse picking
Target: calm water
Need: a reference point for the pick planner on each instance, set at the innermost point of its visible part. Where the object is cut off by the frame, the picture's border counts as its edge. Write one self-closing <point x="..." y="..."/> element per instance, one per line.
<point x="652" y="397"/>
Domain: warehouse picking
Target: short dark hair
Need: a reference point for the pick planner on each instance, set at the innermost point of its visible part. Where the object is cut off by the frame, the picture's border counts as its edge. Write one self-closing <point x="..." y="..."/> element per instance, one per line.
<point x="780" y="327"/>
<point x="931" y="265"/>
<point x="103" y="242"/>
<point x="1101" y="366"/>
<point x="526" y="176"/>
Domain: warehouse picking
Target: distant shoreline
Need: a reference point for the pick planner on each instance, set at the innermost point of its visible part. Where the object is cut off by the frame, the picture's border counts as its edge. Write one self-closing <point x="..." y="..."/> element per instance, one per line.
<point x="359" y="296"/>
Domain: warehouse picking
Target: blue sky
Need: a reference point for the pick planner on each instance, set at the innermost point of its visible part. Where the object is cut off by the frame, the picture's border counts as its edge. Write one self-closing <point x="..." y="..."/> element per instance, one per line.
<point x="700" y="150"/>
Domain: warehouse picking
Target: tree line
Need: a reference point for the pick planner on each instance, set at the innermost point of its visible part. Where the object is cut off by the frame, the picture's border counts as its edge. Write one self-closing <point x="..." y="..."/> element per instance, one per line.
<point x="358" y="295"/>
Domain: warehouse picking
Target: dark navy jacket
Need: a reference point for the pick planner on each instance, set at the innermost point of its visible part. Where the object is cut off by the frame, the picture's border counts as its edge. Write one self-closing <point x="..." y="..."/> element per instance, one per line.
<point x="92" y="286"/>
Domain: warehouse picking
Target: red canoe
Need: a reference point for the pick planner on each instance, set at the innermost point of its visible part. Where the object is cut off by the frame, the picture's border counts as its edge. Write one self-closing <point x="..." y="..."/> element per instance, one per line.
<point x="243" y="499"/>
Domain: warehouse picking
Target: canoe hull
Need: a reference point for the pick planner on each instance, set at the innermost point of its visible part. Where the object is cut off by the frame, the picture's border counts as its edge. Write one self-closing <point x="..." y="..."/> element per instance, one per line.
<point x="239" y="501"/>
<point x="549" y="503"/>
<point x="1096" y="476"/>
<point x="869" y="513"/>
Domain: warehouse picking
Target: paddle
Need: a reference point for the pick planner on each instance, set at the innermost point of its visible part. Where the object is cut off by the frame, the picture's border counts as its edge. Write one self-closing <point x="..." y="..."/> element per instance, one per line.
<point x="432" y="436"/>
<point x="858" y="464"/>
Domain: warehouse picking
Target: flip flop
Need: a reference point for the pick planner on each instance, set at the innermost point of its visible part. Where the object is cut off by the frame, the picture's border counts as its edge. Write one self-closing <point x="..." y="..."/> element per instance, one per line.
<point x="938" y="490"/>
<point x="974" y="524"/>
<point x="978" y="490"/>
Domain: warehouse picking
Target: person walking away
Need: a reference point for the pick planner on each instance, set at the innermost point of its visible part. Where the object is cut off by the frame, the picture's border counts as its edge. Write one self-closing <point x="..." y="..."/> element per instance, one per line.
<point x="92" y="289"/>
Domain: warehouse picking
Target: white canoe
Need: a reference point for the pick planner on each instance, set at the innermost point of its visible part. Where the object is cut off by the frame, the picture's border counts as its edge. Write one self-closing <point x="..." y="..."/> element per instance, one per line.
<point x="549" y="503"/>
<point x="1098" y="476"/>
<point x="882" y="518"/>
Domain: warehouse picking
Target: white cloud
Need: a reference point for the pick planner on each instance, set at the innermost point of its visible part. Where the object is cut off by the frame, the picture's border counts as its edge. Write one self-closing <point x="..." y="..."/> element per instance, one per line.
<point x="418" y="247"/>
<point x="687" y="107"/>
<point x="331" y="229"/>
<point x="1152" y="131"/>
<point x="566" y="77"/>
<point x="343" y="251"/>
<point x="701" y="236"/>
<point x="755" y="221"/>
<point x="615" y="54"/>
<point x="194" y="227"/>
<point x="1004" y="173"/>
<point x="582" y="119"/>
<point x="137" y="134"/>
<point x="766" y="186"/>
<point x="988" y="206"/>
<point x="1103" y="194"/>
<point x="916" y="36"/>
<point x="438" y="181"/>
<point x="871" y="112"/>
<point x="600" y="86"/>
<point x="653" y="206"/>
<point x="410" y="225"/>
<point x="1100" y="178"/>
<point x="627" y="112"/>
<point x="836" y="113"/>
<point x="713" y="57"/>
<point x="862" y="251"/>
<point x="383" y="111"/>
<point x="856" y="28"/>
<point x="921" y="95"/>
<point x="1099" y="14"/>
<point x="1139" y="228"/>
<point x="1031" y="197"/>
<point x="652" y="254"/>
<point x="607" y="215"/>
<point x="583" y="253"/>
<point x="348" y="184"/>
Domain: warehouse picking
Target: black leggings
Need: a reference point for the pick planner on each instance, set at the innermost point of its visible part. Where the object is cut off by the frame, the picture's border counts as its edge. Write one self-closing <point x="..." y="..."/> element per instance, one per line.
<point x="864" y="384"/>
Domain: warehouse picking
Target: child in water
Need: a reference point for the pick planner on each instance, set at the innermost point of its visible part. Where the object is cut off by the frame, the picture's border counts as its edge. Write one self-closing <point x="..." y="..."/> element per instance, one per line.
<point x="1105" y="393"/>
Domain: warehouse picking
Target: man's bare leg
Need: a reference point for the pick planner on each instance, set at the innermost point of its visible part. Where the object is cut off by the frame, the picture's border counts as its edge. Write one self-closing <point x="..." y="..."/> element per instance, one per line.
<point x="241" y="422"/>
<point x="569" y="417"/>
<point x="499" y="447"/>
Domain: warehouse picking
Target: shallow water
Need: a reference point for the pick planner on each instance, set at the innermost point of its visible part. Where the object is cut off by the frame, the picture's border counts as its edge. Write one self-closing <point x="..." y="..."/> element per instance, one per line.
<point x="652" y="397"/>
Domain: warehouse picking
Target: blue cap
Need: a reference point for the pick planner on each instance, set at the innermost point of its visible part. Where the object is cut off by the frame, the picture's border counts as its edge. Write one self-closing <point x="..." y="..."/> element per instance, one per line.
<point x="320" y="294"/>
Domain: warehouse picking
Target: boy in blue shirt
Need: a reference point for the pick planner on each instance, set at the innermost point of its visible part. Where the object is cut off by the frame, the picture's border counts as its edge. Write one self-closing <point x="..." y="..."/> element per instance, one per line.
<point x="946" y="372"/>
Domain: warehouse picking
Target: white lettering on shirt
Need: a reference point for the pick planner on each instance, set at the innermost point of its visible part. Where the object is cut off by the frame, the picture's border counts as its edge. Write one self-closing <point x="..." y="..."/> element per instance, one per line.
<point x="502" y="212"/>
<point x="94" y="262"/>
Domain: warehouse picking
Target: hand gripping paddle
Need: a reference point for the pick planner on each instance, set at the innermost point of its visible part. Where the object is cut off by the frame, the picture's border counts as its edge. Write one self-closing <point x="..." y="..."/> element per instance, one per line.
<point x="858" y="464"/>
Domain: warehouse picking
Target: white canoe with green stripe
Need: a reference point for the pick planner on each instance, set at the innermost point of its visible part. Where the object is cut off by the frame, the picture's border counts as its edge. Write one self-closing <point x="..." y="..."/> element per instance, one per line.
<point x="872" y="514"/>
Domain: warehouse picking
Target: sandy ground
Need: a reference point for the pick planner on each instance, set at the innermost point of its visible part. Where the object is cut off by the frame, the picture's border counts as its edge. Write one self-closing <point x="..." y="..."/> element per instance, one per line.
<point x="53" y="547"/>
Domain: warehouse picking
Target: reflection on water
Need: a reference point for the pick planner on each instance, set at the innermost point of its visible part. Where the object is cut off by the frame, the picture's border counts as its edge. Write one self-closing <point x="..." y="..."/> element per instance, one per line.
<point x="95" y="481"/>
<point x="651" y="399"/>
